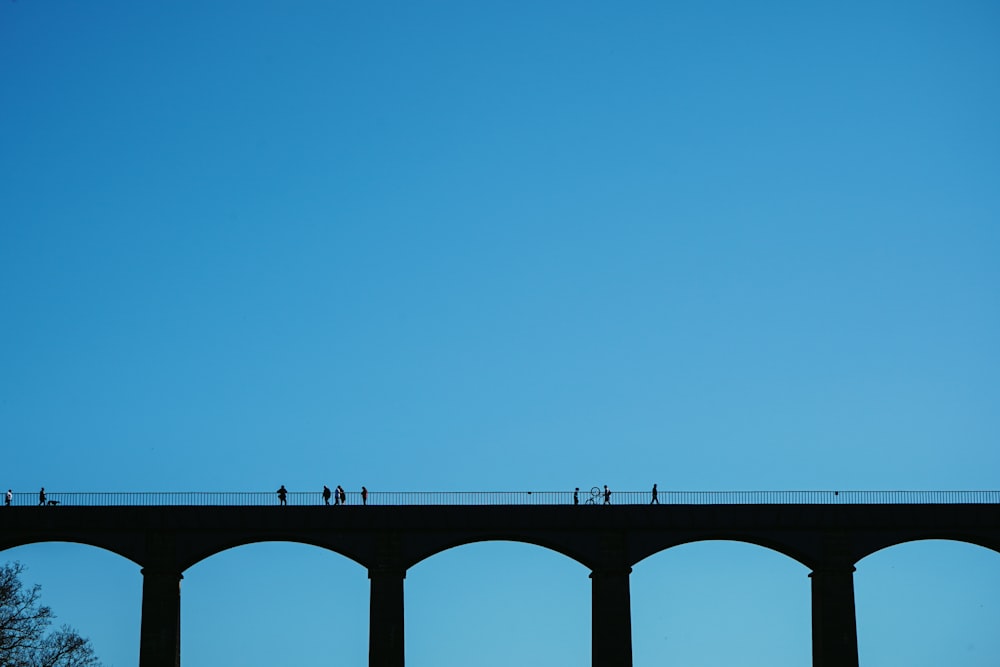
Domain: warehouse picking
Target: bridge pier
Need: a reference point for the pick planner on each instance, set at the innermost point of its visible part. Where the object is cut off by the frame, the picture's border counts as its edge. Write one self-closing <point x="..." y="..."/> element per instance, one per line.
<point x="834" y="623"/>
<point x="160" y="632"/>
<point x="611" y="618"/>
<point x="385" y="627"/>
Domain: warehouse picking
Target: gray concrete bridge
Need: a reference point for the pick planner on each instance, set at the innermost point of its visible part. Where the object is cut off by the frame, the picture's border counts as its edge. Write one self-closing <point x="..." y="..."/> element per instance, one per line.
<point x="827" y="537"/>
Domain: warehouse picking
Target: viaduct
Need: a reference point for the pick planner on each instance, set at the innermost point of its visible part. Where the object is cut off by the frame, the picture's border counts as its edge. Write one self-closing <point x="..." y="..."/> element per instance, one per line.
<point x="827" y="534"/>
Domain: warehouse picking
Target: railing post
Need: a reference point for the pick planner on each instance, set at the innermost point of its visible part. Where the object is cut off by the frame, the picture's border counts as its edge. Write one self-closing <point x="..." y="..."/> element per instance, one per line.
<point x="160" y="633"/>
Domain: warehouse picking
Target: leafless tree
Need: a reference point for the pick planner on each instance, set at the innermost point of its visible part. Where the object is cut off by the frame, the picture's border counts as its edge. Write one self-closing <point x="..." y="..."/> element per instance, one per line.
<point x="25" y="638"/>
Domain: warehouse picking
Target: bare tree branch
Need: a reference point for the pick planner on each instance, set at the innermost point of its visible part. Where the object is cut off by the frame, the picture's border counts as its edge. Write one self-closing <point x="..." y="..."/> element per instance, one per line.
<point x="25" y="640"/>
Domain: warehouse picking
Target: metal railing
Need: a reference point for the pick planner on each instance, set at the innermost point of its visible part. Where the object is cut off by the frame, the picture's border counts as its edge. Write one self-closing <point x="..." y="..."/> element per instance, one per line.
<point x="585" y="497"/>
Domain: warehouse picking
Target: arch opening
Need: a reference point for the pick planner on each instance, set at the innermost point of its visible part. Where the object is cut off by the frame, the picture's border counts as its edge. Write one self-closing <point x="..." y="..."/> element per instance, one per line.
<point x="273" y="603"/>
<point x="93" y="589"/>
<point x="720" y="602"/>
<point x="928" y="602"/>
<point x="498" y="603"/>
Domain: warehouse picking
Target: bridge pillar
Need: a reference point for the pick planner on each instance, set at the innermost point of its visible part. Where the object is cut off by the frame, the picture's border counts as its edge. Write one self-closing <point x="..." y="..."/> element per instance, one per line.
<point x="834" y="624"/>
<point x="611" y="617"/>
<point x="385" y="621"/>
<point x="160" y="632"/>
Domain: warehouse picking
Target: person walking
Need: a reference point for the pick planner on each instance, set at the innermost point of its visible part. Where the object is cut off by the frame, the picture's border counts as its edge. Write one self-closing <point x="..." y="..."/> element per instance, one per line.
<point x="326" y="494"/>
<point x="364" y="495"/>
<point x="341" y="496"/>
<point x="283" y="495"/>
<point x="576" y="496"/>
<point x="607" y="495"/>
<point x="41" y="496"/>
<point x="10" y="497"/>
<point x="656" y="499"/>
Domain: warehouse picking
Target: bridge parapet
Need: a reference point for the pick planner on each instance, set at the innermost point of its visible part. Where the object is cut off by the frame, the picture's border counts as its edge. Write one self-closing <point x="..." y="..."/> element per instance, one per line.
<point x="479" y="498"/>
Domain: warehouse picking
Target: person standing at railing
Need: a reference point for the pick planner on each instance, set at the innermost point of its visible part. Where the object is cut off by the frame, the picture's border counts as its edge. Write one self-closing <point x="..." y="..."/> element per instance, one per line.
<point x="341" y="496"/>
<point x="364" y="495"/>
<point x="10" y="497"/>
<point x="41" y="496"/>
<point x="607" y="495"/>
<point x="326" y="494"/>
<point x="576" y="496"/>
<point x="656" y="499"/>
<point x="283" y="495"/>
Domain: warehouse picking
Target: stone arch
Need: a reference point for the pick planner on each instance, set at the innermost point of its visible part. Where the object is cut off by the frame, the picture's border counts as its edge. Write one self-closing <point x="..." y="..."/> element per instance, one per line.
<point x="874" y="546"/>
<point x="121" y="548"/>
<point x="650" y="547"/>
<point x="203" y="551"/>
<point x="426" y="551"/>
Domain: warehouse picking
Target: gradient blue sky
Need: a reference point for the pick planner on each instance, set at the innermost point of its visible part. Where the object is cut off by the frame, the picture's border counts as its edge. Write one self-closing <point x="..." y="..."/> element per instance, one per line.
<point x="467" y="245"/>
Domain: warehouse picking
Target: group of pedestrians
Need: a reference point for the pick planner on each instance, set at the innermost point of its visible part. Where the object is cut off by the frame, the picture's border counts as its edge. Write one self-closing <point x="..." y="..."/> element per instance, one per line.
<point x="42" y="499"/>
<point x="607" y="495"/>
<point x="339" y="495"/>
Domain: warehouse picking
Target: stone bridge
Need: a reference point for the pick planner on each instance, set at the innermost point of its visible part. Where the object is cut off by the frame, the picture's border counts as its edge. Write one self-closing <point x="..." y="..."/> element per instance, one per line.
<point x="828" y="538"/>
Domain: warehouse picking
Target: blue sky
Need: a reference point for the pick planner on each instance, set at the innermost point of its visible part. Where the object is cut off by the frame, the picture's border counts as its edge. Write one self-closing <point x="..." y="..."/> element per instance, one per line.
<point x="450" y="246"/>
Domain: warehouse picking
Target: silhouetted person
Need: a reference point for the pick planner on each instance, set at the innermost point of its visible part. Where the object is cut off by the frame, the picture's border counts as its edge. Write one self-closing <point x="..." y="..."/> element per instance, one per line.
<point x="283" y="495"/>
<point x="364" y="495"/>
<point x="576" y="496"/>
<point x="341" y="495"/>
<point x="656" y="498"/>
<point x="326" y="494"/>
<point x="10" y="497"/>
<point x="41" y="496"/>
<point x="607" y="495"/>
